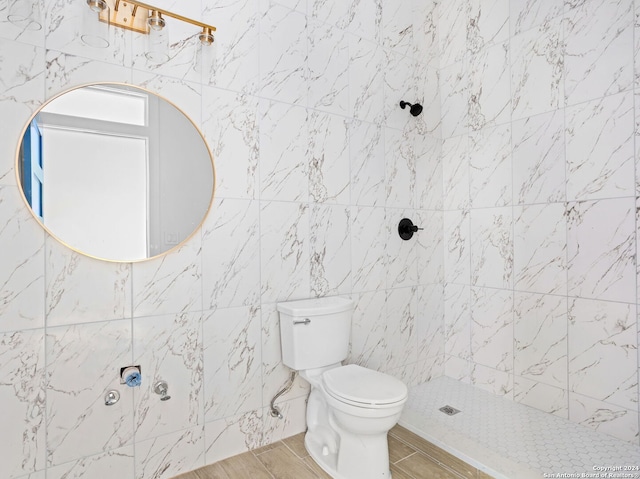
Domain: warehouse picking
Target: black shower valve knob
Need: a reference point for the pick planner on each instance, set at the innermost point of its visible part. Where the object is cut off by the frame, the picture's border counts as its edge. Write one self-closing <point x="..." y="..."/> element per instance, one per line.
<point x="406" y="228"/>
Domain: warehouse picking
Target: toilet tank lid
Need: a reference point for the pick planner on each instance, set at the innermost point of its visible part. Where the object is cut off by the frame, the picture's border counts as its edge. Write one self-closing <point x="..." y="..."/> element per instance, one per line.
<point x="316" y="306"/>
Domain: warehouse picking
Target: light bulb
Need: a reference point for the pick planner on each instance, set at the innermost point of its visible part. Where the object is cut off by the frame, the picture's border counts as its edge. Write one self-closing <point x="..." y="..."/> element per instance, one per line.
<point x="206" y="37"/>
<point x="155" y="21"/>
<point x="97" y="5"/>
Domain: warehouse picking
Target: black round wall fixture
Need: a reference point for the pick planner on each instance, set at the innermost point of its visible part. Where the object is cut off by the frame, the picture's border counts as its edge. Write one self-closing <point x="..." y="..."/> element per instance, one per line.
<point x="406" y="228"/>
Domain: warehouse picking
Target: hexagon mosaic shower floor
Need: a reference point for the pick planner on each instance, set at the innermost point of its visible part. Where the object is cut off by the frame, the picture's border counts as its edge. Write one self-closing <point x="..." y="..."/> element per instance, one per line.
<point x="509" y="440"/>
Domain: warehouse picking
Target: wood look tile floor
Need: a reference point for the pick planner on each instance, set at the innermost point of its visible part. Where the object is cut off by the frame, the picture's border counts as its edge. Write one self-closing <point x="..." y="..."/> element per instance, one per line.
<point x="411" y="457"/>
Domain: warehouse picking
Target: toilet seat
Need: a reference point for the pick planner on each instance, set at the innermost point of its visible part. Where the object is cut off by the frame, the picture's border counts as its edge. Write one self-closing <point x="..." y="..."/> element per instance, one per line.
<point x="362" y="387"/>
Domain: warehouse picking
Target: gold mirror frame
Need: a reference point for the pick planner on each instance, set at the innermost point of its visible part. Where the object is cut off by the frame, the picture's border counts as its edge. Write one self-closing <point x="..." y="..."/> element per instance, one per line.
<point x="180" y="243"/>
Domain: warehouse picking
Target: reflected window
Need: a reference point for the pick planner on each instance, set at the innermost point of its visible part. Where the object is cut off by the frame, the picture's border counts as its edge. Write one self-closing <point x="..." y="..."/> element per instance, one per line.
<point x="103" y="103"/>
<point x="95" y="191"/>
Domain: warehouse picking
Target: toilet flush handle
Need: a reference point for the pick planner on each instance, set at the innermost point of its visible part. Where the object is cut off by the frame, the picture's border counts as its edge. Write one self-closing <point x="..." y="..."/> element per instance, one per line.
<point x="302" y="321"/>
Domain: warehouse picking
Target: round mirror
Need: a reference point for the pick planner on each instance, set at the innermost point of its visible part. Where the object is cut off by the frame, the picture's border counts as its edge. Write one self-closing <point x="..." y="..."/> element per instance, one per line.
<point x="115" y="172"/>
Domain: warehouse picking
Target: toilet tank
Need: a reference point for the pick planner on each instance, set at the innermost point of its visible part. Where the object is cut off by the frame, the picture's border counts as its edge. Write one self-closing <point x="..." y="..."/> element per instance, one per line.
<point x="315" y="332"/>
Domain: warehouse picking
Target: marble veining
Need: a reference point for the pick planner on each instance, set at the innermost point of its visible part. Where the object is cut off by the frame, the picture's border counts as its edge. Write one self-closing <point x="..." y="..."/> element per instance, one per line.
<point x="22" y="280"/>
<point x="283" y="51"/>
<point x="284" y="144"/>
<point x="601" y="256"/>
<point x="603" y="353"/>
<point x="539" y="159"/>
<point x="328" y="66"/>
<point x="232" y="277"/>
<point x="400" y="169"/>
<point x="455" y="99"/>
<point x="488" y="23"/>
<point x="232" y="351"/>
<point x="369" y="340"/>
<point x="400" y="313"/>
<point x="366" y="152"/>
<point x="490" y="167"/>
<point x="492" y="247"/>
<point x="492" y="328"/>
<point x="118" y="461"/>
<point x="489" y="93"/>
<point x="22" y="389"/>
<point x="430" y="241"/>
<point x="599" y="49"/>
<point x="455" y="172"/>
<point x="236" y="63"/>
<point x="232" y="435"/>
<point x="457" y="267"/>
<point x="169" y="284"/>
<point x="64" y="71"/>
<point x="541" y="396"/>
<point x="430" y="322"/>
<point x="599" y="147"/>
<point x="453" y="21"/>
<point x="284" y="263"/>
<point x="457" y="320"/>
<point x="328" y="159"/>
<point x="398" y="26"/>
<point x="527" y="14"/>
<point x="330" y="250"/>
<point x="366" y="77"/>
<point x="537" y="70"/>
<point x="426" y="32"/>
<point x="540" y="339"/>
<point x="368" y="248"/>
<point x="230" y="124"/>
<point x="80" y="369"/>
<point x="429" y="173"/>
<point x="604" y="417"/>
<point x="105" y="287"/>
<point x="166" y="456"/>
<point x="540" y="249"/>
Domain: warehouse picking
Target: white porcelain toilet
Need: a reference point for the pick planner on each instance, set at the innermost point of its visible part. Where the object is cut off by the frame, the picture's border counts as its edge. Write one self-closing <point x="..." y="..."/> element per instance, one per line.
<point x="350" y="408"/>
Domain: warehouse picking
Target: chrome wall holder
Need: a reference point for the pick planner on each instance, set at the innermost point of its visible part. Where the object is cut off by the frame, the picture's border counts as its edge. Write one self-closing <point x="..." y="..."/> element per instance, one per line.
<point x="161" y="387"/>
<point x="111" y="397"/>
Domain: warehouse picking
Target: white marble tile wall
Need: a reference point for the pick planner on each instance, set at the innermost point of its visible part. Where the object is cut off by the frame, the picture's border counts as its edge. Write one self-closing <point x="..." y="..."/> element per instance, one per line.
<point x="316" y="164"/>
<point x="539" y="159"/>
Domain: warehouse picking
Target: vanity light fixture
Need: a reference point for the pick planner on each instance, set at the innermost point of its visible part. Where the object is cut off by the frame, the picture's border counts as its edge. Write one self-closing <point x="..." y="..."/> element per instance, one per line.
<point x="142" y="18"/>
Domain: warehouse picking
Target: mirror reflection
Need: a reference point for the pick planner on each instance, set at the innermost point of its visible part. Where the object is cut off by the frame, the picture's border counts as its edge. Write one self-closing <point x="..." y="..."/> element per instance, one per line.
<point x="115" y="172"/>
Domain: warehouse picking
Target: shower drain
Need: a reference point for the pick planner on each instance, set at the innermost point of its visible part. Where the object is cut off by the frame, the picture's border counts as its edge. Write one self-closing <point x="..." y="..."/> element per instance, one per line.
<point x="449" y="411"/>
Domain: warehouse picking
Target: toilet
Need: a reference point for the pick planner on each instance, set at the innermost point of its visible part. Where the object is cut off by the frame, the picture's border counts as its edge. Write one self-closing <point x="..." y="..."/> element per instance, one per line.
<point x="350" y="408"/>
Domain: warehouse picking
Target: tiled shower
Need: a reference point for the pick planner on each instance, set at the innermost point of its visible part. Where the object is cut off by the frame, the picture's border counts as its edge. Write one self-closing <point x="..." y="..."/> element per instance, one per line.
<point x="521" y="169"/>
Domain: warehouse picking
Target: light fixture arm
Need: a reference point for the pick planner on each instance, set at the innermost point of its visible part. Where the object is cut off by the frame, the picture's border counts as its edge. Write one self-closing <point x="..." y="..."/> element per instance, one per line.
<point x="135" y="3"/>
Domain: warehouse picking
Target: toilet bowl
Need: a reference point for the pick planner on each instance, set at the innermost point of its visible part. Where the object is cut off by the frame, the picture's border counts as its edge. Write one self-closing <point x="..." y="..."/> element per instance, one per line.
<point x="356" y="407"/>
<point x="350" y="408"/>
